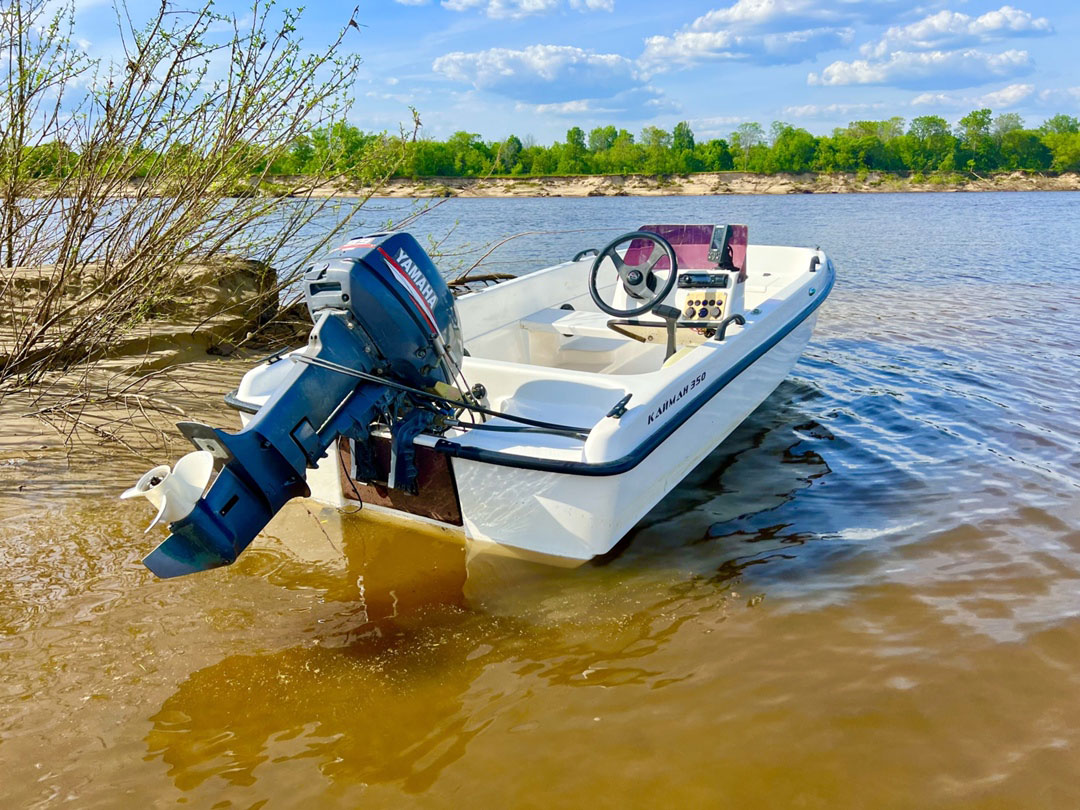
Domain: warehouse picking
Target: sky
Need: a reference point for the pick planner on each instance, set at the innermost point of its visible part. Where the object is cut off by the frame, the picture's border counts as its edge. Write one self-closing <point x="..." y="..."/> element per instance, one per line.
<point x="534" y="68"/>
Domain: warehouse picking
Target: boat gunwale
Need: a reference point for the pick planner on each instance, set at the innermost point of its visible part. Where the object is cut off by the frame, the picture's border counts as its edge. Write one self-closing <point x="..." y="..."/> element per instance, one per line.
<point x="653" y="441"/>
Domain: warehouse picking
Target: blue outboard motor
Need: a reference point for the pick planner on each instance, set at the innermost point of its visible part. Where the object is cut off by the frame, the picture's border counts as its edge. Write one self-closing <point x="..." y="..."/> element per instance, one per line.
<point x="381" y="310"/>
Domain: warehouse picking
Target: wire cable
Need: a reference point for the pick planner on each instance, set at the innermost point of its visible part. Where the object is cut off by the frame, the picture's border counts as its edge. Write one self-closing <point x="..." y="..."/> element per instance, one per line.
<point x="453" y="403"/>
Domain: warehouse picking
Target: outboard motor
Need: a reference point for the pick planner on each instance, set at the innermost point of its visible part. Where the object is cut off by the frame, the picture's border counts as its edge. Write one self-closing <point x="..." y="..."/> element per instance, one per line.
<point x="384" y="323"/>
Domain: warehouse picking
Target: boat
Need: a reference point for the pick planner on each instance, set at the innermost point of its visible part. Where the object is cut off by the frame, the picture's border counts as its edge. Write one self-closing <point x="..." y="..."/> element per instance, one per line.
<point x="542" y="416"/>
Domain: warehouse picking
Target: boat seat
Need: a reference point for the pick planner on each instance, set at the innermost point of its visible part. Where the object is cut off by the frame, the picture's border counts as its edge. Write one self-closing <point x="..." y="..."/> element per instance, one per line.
<point x="583" y="343"/>
<point x="569" y="322"/>
<point x="569" y="339"/>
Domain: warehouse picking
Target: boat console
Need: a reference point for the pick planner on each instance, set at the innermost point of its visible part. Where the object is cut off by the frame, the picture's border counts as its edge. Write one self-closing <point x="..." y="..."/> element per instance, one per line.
<point x="710" y="288"/>
<point x="677" y="284"/>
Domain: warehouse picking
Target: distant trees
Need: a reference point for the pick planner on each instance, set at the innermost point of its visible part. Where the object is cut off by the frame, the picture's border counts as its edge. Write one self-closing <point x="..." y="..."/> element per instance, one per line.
<point x="682" y="138"/>
<point x="1024" y="149"/>
<point x="602" y="138"/>
<point x="980" y="142"/>
<point x="714" y="156"/>
<point x="509" y="154"/>
<point x="572" y="159"/>
<point x="657" y="145"/>
<point x="1061" y="135"/>
<point x="744" y="140"/>
<point x="793" y="150"/>
<point x="1061" y="125"/>
<point x="928" y="145"/>
<point x="977" y="147"/>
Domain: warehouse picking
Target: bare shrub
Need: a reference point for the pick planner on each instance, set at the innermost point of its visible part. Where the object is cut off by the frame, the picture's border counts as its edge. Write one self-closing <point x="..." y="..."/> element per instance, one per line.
<point x="114" y="173"/>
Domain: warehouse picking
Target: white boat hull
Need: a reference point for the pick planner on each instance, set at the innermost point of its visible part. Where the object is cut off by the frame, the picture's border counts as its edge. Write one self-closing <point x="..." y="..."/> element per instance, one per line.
<point x="581" y="516"/>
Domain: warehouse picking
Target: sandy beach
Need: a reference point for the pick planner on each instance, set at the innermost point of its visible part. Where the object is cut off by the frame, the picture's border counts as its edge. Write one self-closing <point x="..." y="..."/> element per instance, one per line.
<point x="706" y="184"/>
<point x="640" y="185"/>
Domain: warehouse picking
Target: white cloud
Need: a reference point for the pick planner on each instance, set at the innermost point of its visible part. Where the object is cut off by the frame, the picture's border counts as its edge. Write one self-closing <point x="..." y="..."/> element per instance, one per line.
<point x="791" y="15"/>
<point x="951" y="29"/>
<point x="558" y="80"/>
<point x="1004" y="98"/>
<point x="504" y="8"/>
<point x="1067" y="95"/>
<point x="576" y="107"/>
<point x="400" y="98"/>
<point x="1007" y="96"/>
<point x="962" y="68"/>
<point x="788" y="14"/>
<point x="540" y="74"/>
<point x="717" y="121"/>
<point x="762" y="32"/>
<point x="515" y="9"/>
<point x="412" y="2"/>
<point x="717" y="126"/>
<point x="936" y="100"/>
<point x="830" y="110"/>
<point x="636" y="104"/>
<point x="689" y="48"/>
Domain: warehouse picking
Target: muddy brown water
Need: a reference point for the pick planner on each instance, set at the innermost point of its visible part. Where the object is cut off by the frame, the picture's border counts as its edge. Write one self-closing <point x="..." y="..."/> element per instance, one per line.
<point x="869" y="596"/>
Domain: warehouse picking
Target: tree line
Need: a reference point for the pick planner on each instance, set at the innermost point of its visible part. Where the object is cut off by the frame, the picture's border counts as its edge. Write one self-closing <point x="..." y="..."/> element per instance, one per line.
<point x="979" y="143"/>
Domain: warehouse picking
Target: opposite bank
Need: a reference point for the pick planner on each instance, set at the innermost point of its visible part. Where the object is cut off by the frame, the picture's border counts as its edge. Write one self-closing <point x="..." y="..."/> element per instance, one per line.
<point x="708" y="184"/>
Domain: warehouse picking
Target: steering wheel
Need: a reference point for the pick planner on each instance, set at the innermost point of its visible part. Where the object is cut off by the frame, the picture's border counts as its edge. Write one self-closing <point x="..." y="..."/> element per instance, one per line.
<point x="637" y="275"/>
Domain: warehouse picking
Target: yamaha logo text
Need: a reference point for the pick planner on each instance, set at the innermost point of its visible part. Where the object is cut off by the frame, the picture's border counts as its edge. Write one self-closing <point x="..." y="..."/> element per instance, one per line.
<point x="418" y="278"/>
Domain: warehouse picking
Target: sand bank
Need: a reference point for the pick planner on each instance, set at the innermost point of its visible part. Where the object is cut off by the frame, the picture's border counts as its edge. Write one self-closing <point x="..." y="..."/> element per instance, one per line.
<point x="705" y="184"/>
<point x="639" y="185"/>
<point x="122" y="404"/>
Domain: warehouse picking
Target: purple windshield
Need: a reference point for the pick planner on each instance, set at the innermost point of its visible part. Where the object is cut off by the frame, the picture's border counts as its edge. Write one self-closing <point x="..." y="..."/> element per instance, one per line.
<point x="691" y="244"/>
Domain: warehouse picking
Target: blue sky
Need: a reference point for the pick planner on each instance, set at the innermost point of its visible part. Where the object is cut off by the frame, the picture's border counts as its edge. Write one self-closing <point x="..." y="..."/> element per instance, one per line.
<point x="537" y="67"/>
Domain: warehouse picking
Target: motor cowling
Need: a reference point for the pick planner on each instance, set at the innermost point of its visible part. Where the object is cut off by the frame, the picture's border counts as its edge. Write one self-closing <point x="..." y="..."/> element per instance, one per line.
<point x="393" y="291"/>
<point x="383" y="317"/>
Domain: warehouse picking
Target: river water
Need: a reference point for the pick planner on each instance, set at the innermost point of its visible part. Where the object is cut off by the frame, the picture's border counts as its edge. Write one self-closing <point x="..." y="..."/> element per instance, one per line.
<point x="869" y="596"/>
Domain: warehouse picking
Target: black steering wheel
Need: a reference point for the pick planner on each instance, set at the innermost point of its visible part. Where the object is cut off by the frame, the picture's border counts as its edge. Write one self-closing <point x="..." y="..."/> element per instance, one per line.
<point x="637" y="275"/>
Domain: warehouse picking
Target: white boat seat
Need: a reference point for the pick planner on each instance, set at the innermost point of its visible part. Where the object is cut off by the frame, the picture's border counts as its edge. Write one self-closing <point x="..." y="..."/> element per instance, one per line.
<point x="760" y="284"/>
<point x="589" y="330"/>
<point x="570" y="322"/>
<point x="583" y="343"/>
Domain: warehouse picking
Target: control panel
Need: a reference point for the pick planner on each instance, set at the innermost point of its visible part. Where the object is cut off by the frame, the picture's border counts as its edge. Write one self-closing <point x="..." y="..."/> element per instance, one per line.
<point x="701" y="297"/>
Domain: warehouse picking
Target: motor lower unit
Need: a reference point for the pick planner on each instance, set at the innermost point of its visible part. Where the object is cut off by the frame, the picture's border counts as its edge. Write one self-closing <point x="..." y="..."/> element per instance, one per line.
<point x="385" y="327"/>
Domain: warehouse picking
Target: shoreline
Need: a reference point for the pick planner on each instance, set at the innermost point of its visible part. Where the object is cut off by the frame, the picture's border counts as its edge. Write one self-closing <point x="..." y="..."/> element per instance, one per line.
<point x="703" y="184"/>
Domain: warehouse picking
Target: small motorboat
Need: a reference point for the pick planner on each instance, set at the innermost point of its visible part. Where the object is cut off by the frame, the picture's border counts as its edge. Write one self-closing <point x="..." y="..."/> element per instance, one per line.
<point x="545" y="415"/>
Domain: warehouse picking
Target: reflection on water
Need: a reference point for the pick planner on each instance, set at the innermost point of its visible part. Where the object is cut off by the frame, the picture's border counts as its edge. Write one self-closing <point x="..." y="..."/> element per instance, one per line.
<point x="350" y="710"/>
<point x="869" y="596"/>
<point x="386" y="691"/>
